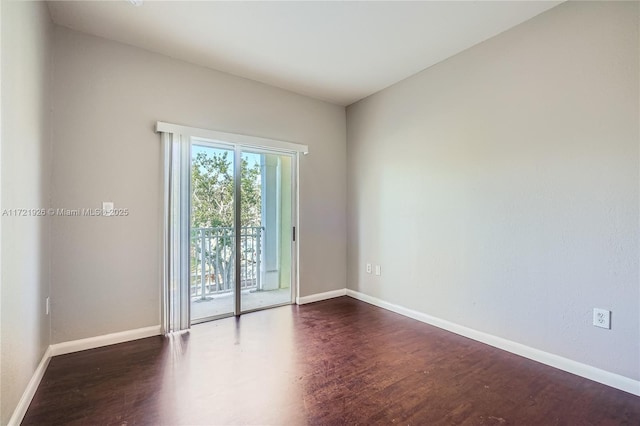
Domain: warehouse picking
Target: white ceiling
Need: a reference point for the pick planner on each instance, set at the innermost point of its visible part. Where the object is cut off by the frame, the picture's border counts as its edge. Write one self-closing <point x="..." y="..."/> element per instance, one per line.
<point x="336" y="51"/>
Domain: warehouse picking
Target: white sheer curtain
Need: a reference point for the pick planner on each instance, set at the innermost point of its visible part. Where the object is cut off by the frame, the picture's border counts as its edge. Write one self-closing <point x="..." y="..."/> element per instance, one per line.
<point x="175" y="312"/>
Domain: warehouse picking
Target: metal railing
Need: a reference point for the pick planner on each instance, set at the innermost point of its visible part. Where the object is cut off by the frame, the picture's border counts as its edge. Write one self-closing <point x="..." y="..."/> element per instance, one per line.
<point x="213" y="258"/>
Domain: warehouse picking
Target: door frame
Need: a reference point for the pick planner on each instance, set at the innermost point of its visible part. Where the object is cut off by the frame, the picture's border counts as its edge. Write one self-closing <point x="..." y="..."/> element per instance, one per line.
<point x="237" y="148"/>
<point x="174" y="137"/>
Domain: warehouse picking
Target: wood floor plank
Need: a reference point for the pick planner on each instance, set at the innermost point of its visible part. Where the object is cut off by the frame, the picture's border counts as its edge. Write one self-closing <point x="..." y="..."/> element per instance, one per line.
<point x="335" y="362"/>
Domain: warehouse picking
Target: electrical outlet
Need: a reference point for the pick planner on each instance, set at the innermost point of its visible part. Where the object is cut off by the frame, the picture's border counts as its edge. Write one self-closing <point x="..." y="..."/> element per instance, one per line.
<point x="47" y="307"/>
<point x="602" y="318"/>
<point x="377" y="269"/>
<point x="107" y="208"/>
<point x="368" y="268"/>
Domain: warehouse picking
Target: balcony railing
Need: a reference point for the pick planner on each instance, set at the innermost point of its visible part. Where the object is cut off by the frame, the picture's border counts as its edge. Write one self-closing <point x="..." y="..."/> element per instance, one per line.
<point x="213" y="258"/>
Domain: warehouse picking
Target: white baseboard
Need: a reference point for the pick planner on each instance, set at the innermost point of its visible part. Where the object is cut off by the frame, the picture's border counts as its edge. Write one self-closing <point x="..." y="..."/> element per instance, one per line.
<point x="68" y="347"/>
<point x="104" y="340"/>
<point x="583" y="370"/>
<point x="30" y="391"/>
<point x="592" y="373"/>
<point x="321" y="296"/>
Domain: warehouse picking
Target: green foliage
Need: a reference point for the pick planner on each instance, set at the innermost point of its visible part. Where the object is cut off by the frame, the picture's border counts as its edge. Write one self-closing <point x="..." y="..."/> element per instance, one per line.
<point x="212" y="191"/>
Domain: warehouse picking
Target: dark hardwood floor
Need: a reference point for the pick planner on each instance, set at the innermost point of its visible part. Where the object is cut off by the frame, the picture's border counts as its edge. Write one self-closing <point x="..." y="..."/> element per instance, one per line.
<point x="337" y="362"/>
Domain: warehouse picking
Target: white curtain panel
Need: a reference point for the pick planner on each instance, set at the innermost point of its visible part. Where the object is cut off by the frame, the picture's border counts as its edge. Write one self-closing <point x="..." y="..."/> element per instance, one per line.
<point x="175" y="303"/>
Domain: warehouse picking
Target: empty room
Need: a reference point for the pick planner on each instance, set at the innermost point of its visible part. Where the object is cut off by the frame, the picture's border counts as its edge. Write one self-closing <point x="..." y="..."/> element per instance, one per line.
<point x="320" y="213"/>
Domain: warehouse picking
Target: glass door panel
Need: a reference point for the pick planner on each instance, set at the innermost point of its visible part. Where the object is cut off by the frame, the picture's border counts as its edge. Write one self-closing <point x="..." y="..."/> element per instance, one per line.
<point x="212" y="246"/>
<point x="266" y="229"/>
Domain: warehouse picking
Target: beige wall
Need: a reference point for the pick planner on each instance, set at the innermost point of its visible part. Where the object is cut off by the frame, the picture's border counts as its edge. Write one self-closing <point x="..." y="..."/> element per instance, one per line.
<point x="26" y="148"/>
<point x="107" y="98"/>
<point x="499" y="189"/>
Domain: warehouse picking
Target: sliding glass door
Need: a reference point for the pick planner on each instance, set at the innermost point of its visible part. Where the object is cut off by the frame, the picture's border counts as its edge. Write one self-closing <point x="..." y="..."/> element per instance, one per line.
<point x="267" y="229"/>
<point x="212" y="247"/>
<point x="241" y="229"/>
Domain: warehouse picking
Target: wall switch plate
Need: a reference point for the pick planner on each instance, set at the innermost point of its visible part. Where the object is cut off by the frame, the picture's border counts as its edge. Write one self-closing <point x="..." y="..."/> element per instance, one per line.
<point x="602" y="318"/>
<point x="47" y="308"/>
<point x="377" y="269"/>
<point x="368" y="268"/>
<point x="107" y="208"/>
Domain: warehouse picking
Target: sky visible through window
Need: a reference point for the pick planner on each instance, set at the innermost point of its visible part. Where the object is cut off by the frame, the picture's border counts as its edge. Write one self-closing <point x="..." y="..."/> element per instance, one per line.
<point x="251" y="157"/>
